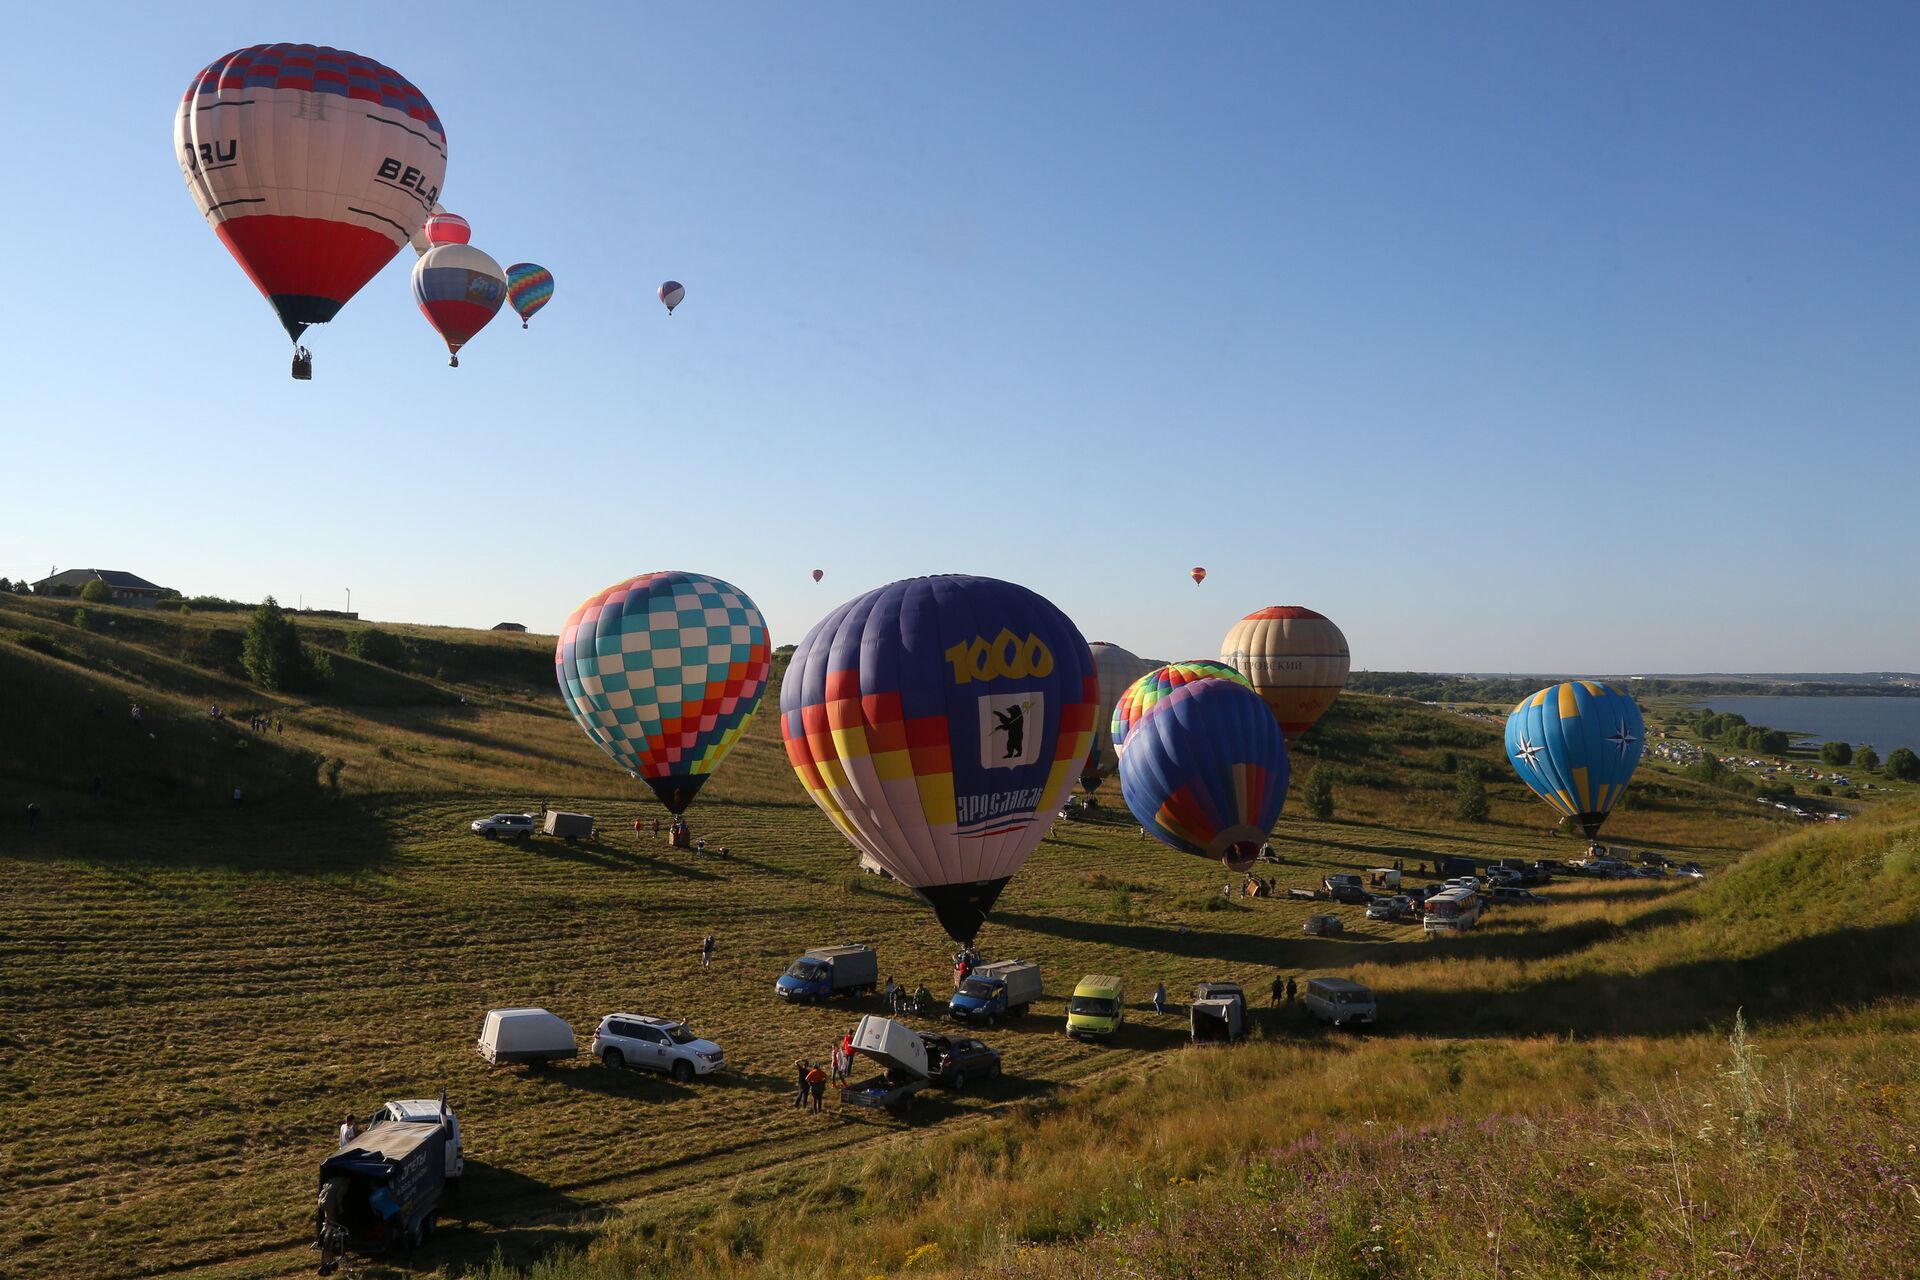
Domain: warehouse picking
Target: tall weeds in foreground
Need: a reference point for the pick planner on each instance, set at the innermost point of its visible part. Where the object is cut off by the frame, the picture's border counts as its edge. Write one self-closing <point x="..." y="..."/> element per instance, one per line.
<point x="1728" y="1167"/>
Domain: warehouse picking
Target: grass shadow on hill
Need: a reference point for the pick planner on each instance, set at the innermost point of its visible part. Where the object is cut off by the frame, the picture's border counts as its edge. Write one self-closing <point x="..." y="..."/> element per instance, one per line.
<point x="1805" y="977"/>
<point x="346" y="837"/>
<point x="1202" y="942"/>
<point x="499" y="1210"/>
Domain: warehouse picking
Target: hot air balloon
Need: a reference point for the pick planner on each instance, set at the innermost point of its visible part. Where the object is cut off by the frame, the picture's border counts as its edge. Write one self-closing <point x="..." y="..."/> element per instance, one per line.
<point x="314" y="166"/>
<point x="1116" y="669"/>
<point x="819" y="574"/>
<point x="670" y="293"/>
<point x="1137" y="698"/>
<point x="1206" y="771"/>
<point x="459" y="290"/>
<point x="1577" y="744"/>
<point x="939" y="723"/>
<point x="442" y="227"/>
<point x="1295" y="658"/>
<point x="663" y="671"/>
<point x="529" y="288"/>
<point x="419" y="237"/>
<point x="1199" y="575"/>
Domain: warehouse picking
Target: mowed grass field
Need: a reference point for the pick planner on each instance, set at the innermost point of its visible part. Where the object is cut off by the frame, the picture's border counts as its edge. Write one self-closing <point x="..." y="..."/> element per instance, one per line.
<point x="194" y="993"/>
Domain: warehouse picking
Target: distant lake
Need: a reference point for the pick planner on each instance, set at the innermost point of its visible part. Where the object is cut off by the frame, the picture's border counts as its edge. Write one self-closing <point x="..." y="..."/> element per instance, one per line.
<point x="1885" y="722"/>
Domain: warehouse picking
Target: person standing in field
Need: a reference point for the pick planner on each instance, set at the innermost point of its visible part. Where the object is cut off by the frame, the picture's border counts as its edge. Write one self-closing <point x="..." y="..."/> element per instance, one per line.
<point x="33" y="816"/>
<point x="1291" y="990"/>
<point x="817" y="1082"/>
<point x="800" y="1082"/>
<point x="1279" y="989"/>
<point x="1160" y="1001"/>
<point x="348" y="1132"/>
<point x="706" y="952"/>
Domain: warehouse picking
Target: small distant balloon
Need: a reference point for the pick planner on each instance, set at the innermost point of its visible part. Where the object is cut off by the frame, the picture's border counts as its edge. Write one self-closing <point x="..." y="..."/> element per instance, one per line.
<point x="1199" y="574"/>
<point x="529" y="288"/>
<point x="819" y="574"/>
<point x="671" y="293"/>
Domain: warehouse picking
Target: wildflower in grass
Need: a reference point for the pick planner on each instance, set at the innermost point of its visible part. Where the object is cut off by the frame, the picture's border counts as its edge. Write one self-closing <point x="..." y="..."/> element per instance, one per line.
<point x="927" y="1254"/>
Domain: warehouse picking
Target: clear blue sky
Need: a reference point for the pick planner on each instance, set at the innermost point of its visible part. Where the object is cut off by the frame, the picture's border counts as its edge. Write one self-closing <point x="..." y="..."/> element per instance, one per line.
<point x="1512" y="337"/>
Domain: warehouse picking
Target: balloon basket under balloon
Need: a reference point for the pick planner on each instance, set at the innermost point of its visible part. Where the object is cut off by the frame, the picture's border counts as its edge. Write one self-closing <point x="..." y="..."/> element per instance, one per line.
<point x="302" y="365"/>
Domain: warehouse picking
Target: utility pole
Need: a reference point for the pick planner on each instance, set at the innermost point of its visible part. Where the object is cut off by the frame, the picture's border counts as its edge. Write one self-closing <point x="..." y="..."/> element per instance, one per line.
<point x="349" y="599"/>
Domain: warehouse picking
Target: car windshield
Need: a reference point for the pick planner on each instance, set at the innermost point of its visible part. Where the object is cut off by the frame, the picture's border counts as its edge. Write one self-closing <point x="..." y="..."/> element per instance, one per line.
<point x="680" y="1035"/>
<point x="977" y="989"/>
<point x="806" y="970"/>
<point x="1095" y="1006"/>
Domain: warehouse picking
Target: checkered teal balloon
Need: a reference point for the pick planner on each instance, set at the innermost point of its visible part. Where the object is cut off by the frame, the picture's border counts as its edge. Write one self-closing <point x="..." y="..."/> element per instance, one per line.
<point x="663" y="671"/>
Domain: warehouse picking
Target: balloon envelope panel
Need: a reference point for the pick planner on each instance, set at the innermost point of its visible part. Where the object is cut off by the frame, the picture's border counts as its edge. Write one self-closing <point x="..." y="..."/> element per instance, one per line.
<point x="1116" y="669"/>
<point x="1296" y="659"/>
<point x="1577" y="745"/>
<point x="663" y="671"/>
<point x="1140" y="696"/>
<point x="940" y="722"/>
<point x="313" y="165"/>
<point x="1206" y="770"/>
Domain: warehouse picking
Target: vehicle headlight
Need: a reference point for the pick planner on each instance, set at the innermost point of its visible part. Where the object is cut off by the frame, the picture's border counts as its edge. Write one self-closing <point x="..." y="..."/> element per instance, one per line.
<point x="716" y="1056"/>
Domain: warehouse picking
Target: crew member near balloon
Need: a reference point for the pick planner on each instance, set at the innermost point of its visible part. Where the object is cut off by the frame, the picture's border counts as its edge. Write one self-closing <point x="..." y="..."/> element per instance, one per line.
<point x="1577" y="745"/>
<point x="1205" y="771"/>
<point x="313" y="166"/>
<point x="940" y="722"/>
<point x="663" y="672"/>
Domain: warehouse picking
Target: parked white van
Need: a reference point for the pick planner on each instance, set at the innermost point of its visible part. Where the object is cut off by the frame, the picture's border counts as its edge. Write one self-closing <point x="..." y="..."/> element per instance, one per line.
<point x="1340" y="1001"/>
<point x="525" y="1035"/>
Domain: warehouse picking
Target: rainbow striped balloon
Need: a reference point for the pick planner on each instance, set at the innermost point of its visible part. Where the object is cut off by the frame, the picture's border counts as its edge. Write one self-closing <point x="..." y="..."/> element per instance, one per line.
<point x="1157" y="684"/>
<point x="529" y="288"/>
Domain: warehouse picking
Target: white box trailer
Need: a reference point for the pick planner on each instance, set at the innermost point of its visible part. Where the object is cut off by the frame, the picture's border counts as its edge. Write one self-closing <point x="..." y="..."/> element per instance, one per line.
<point x="902" y="1056"/>
<point x="1218" y="1013"/>
<point x="569" y="826"/>
<point x="525" y="1035"/>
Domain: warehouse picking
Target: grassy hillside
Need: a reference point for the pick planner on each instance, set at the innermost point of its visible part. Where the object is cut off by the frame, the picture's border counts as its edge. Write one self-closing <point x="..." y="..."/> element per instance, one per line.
<point x="195" y="993"/>
<point x="1782" y="1143"/>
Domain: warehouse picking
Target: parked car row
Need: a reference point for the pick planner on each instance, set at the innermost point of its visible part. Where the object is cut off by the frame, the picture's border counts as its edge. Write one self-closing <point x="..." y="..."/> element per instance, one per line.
<point x="536" y="1037"/>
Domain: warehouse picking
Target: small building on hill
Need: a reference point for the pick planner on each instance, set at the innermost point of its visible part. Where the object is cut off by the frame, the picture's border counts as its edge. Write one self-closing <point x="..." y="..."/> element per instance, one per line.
<point x="509" y="626"/>
<point x="128" y="588"/>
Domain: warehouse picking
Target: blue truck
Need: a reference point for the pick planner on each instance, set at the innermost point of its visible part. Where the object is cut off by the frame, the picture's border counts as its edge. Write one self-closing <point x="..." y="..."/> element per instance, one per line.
<point x="380" y="1192"/>
<point x="994" y="991"/>
<point x="853" y="969"/>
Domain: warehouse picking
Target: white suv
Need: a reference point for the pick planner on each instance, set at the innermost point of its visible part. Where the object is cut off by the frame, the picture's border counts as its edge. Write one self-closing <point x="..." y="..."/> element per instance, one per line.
<point x="504" y="824"/>
<point x="425" y="1111"/>
<point x="659" y="1044"/>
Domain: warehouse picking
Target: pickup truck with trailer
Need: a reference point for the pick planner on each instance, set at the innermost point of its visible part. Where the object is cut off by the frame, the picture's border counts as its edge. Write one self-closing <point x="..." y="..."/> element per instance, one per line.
<point x="380" y="1192"/>
<point x="853" y="969"/>
<point x="902" y="1057"/>
<point x="994" y="991"/>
